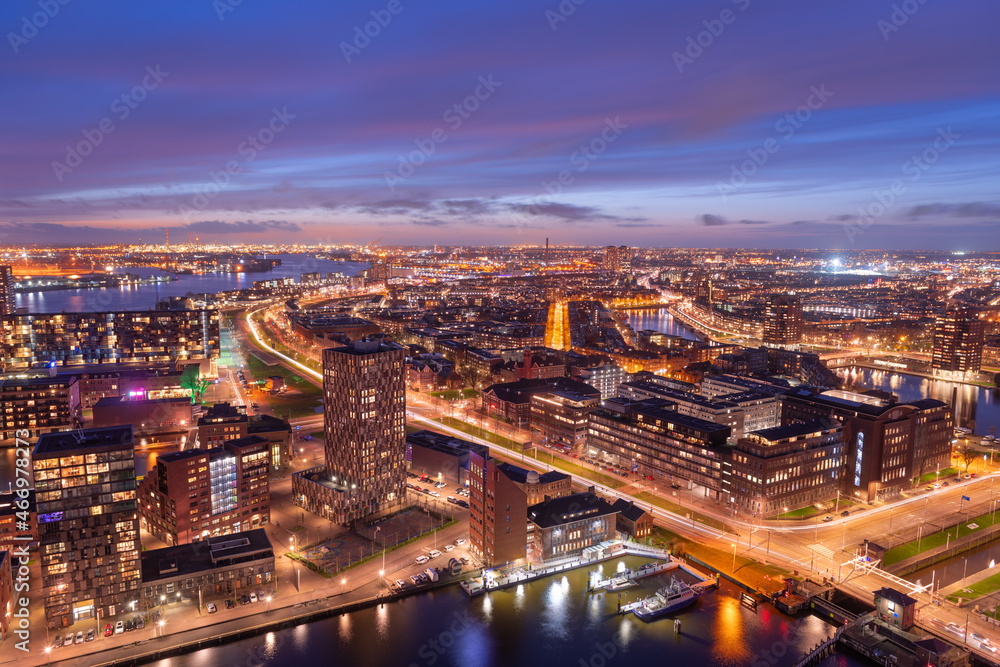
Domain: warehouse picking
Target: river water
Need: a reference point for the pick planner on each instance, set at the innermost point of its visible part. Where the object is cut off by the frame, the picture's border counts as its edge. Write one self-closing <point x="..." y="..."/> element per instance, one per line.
<point x="658" y="319"/>
<point x="548" y="623"/>
<point x="142" y="297"/>
<point x="970" y="404"/>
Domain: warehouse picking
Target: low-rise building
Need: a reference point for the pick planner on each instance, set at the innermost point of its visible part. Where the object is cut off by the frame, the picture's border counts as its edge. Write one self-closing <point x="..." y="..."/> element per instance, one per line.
<point x="146" y="415"/>
<point x="221" y="422"/>
<point x="538" y="486"/>
<point x="686" y="403"/>
<point x="566" y="526"/>
<point x="512" y="400"/>
<point x="498" y="508"/>
<point x="219" y="566"/>
<point x="633" y="520"/>
<point x="443" y="457"/>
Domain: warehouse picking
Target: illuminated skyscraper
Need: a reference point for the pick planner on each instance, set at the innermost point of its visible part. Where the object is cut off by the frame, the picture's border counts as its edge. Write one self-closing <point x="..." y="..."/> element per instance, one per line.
<point x="6" y="291"/>
<point x="783" y="320"/>
<point x="617" y="259"/>
<point x="958" y="342"/>
<point x="88" y="524"/>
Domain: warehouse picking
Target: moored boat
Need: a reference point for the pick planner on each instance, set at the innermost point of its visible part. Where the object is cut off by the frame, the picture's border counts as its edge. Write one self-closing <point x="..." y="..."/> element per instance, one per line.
<point x="667" y="600"/>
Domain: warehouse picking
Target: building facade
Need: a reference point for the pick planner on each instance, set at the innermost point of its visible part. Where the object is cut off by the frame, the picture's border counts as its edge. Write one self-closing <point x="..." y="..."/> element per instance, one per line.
<point x="364" y="410"/>
<point x="959" y="335"/>
<point x="784" y="468"/>
<point x="6" y="290"/>
<point x="560" y="418"/>
<point x="498" y="511"/>
<point x="200" y="493"/>
<point x="88" y="523"/>
<point x="783" y="320"/>
<point x="567" y="526"/>
<point x="141" y="336"/>
<point x="38" y="405"/>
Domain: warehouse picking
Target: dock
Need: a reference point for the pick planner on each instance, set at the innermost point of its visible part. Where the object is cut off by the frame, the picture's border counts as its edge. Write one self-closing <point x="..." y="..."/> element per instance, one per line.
<point x="648" y="570"/>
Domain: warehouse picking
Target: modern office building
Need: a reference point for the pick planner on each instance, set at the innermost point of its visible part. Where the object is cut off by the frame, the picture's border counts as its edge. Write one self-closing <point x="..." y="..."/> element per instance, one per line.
<point x="364" y="401"/>
<point x="203" y="571"/>
<point x="139" y="336"/>
<point x="200" y="493"/>
<point x="560" y="418"/>
<point x="512" y="400"/>
<point x="88" y="523"/>
<point x="649" y="438"/>
<point x="889" y="444"/>
<point x="498" y="511"/>
<point x="6" y="291"/>
<point x="787" y="467"/>
<point x="783" y="320"/>
<point x="959" y="335"/>
<point x="146" y="415"/>
<point x="715" y="410"/>
<point x="37" y="405"/>
<point x="223" y="422"/>
<point x="604" y="375"/>
<point x="567" y="526"/>
<point x="13" y="527"/>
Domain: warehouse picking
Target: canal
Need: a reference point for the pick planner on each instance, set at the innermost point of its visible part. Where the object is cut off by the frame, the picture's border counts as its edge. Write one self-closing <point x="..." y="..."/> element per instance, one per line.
<point x="547" y="623"/>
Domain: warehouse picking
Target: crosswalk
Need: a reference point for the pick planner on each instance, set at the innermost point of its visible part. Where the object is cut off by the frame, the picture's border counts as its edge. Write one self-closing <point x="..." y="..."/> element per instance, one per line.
<point x="820" y="550"/>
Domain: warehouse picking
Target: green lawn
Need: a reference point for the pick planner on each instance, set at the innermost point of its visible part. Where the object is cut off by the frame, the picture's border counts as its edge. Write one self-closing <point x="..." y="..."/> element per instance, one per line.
<point x="940" y="538"/>
<point x="672" y="506"/>
<point x="979" y="589"/>
<point x="301" y="399"/>
<point x="932" y="476"/>
<point x="808" y="510"/>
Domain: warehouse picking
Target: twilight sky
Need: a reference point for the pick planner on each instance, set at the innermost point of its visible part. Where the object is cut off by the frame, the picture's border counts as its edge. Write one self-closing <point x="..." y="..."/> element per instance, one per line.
<point x="719" y="124"/>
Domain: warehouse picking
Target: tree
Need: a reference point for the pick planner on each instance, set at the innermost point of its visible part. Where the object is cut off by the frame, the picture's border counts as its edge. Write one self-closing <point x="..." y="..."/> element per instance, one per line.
<point x="191" y="379"/>
<point x="968" y="456"/>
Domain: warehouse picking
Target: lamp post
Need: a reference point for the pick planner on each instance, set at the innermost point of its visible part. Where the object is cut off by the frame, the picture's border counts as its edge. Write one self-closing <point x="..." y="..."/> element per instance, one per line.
<point x="734" y="558"/>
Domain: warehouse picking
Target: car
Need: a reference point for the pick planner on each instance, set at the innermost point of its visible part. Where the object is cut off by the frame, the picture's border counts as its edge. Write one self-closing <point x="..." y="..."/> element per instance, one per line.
<point x="139" y="623"/>
<point x="973" y="475"/>
<point x="400" y="584"/>
<point x="420" y="560"/>
<point x="119" y="628"/>
<point x="460" y="541"/>
<point x="129" y="625"/>
<point x="452" y="499"/>
<point x="212" y="608"/>
<point x="245" y="599"/>
<point x="945" y="484"/>
<point x="954" y="627"/>
<point x="68" y="641"/>
<point x="157" y="616"/>
<point x="253" y="598"/>
<point x="91" y="635"/>
<point x="435" y="494"/>
<point x="827" y="518"/>
<point x="434" y="553"/>
<point x="937" y="486"/>
<point x="415" y="578"/>
<point x="79" y="637"/>
<point x="449" y="547"/>
<point x="108" y="630"/>
<point x="975" y="636"/>
<point x="463" y="504"/>
<point x="57" y="642"/>
<point x="230" y="604"/>
<point x="845" y="513"/>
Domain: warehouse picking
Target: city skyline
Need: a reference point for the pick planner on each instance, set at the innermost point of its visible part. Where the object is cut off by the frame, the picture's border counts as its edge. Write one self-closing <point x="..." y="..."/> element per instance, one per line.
<point x="231" y="122"/>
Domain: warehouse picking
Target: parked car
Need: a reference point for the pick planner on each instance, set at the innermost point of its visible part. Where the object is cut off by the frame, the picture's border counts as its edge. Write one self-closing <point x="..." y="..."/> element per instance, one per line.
<point x="108" y="630"/>
<point x="79" y="637"/>
<point x="400" y="584"/>
<point x="449" y="547"/>
<point x="119" y="628"/>
<point x="420" y="560"/>
<point x="129" y="625"/>
<point x="245" y="599"/>
<point x="212" y="608"/>
<point x="845" y="513"/>
<point x="460" y="541"/>
<point x="68" y="641"/>
<point x="827" y="518"/>
<point x="230" y="604"/>
<point x="90" y="635"/>
<point x="57" y="642"/>
<point x="253" y="598"/>
<point x="415" y="579"/>
<point x="434" y="553"/>
<point x="139" y="623"/>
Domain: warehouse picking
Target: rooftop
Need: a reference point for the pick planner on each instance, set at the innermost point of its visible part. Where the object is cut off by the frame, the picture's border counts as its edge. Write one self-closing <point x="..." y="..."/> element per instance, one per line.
<point x="558" y="511"/>
<point x="90" y="438"/>
<point x="190" y="560"/>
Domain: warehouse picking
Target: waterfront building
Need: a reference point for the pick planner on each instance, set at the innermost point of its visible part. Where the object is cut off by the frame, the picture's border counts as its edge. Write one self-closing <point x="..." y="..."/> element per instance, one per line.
<point x="37" y="405"/>
<point x="787" y="467"/>
<point x="443" y="457"/>
<point x="959" y="335"/>
<point x="560" y="527"/>
<point x="7" y="290"/>
<point x="889" y="444"/>
<point x="88" y="523"/>
<point x="200" y="493"/>
<point x="223" y="565"/>
<point x="649" y="438"/>
<point x="783" y="320"/>
<point x="633" y="520"/>
<point x="560" y="418"/>
<point x="364" y="409"/>
<point x="498" y="509"/>
<point x="145" y="415"/>
<point x="141" y="336"/>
